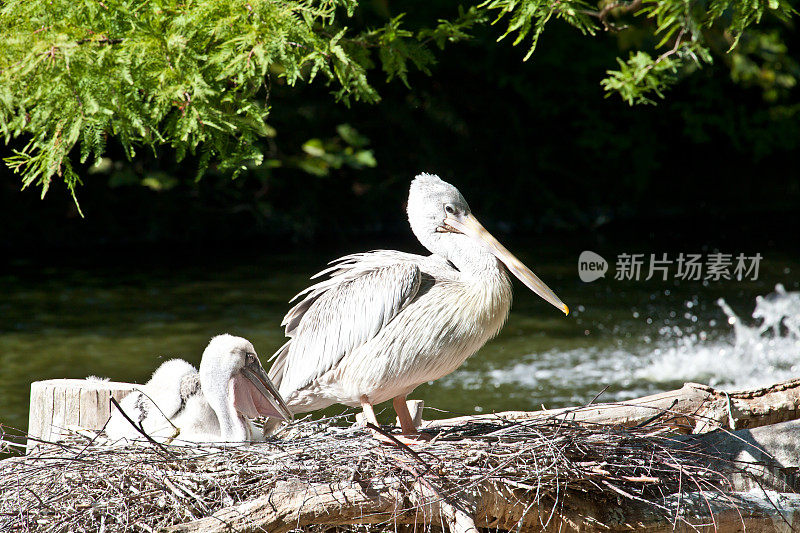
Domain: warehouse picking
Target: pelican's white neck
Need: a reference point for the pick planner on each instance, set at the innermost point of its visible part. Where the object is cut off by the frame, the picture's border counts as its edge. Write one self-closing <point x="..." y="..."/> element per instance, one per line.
<point x="468" y="256"/>
<point x="217" y="388"/>
<point x="231" y="423"/>
<point x="477" y="261"/>
<point x="219" y="396"/>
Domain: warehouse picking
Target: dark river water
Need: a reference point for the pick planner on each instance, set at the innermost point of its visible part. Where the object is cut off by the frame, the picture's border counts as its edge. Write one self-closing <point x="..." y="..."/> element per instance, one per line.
<point x="121" y="320"/>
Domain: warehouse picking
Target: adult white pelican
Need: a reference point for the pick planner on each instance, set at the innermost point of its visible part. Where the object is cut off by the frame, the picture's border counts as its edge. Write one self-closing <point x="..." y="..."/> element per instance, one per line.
<point x="213" y="405"/>
<point x="385" y="322"/>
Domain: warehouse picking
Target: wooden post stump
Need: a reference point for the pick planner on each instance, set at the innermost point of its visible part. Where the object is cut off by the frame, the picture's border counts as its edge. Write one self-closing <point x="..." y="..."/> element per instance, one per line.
<point x="59" y="405"/>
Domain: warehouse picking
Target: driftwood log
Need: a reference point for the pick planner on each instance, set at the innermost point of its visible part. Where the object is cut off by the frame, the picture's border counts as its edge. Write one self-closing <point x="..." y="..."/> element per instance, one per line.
<point x="294" y="505"/>
<point x="694" y="408"/>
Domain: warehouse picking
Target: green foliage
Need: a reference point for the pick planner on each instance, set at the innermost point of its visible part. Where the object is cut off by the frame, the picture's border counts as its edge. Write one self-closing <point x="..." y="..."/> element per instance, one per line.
<point x="640" y="76"/>
<point x="348" y="149"/>
<point x="690" y="31"/>
<point x="741" y="15"/>
<point x="197" y="76"/>
<point x="529" y="17"/>
<point x="684" y="34"/>
<point x="453" y="31"/>
<point x="763" y="60"/>
<point x="191" y="75"/>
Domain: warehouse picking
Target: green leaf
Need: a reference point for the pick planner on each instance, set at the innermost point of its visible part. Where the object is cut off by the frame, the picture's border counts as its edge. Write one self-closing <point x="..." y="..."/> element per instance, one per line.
<point x="349" y="134"/>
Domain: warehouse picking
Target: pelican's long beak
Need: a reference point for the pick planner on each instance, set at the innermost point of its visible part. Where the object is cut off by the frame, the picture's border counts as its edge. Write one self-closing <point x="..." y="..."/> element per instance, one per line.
<point x="469" y="226"/>
<point x="276" y="406"/>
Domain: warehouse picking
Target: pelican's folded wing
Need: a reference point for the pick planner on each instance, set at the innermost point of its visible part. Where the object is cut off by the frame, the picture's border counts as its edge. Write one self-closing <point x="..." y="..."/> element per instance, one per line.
<point x="339" y="314"/>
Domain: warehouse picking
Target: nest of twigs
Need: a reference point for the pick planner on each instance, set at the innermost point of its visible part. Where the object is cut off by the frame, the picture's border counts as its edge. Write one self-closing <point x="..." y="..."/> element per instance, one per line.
<point x="82" y="485"/>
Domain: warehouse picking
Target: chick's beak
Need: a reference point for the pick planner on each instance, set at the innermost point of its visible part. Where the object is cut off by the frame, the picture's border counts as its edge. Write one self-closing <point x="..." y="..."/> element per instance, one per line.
<point x="274" y="406"/>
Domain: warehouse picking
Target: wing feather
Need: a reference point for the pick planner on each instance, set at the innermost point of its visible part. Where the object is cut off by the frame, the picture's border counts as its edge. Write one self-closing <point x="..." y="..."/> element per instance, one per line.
<point x="337" y="315"/>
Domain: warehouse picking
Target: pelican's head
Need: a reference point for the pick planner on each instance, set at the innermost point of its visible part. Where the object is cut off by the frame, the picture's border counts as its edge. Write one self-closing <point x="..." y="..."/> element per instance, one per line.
<point x="442" y="220"/>
<point x="234" y="382"/>
<point x="430" y="200"/>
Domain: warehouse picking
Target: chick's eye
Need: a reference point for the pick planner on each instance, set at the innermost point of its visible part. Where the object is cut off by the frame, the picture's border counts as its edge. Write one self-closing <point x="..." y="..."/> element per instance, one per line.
<point x="450" y="209"/>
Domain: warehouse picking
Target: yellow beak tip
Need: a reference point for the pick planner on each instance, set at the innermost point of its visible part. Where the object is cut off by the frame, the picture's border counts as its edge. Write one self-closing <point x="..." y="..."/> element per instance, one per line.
<point x="565" y="309"/>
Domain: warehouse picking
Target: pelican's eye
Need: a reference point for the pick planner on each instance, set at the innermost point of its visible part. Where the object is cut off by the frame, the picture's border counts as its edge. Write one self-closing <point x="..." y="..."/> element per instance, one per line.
<point x="250" y="358"/>
<point x="450" y="209"/>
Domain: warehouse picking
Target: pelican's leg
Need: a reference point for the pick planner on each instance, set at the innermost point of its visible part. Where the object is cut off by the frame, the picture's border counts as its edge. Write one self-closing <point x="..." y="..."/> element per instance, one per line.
<point x="369" y="412"/>
<point x="369" y="417"/>
<point x="406" y="422"/>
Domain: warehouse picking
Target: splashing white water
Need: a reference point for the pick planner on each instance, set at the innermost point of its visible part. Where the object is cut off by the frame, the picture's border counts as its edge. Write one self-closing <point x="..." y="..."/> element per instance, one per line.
<point x="749" y="356"/>
<point x="758" y="355"/>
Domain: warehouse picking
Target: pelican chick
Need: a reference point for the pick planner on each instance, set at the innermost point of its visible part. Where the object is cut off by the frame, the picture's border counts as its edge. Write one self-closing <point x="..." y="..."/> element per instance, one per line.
<point x="215" y="404"/>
